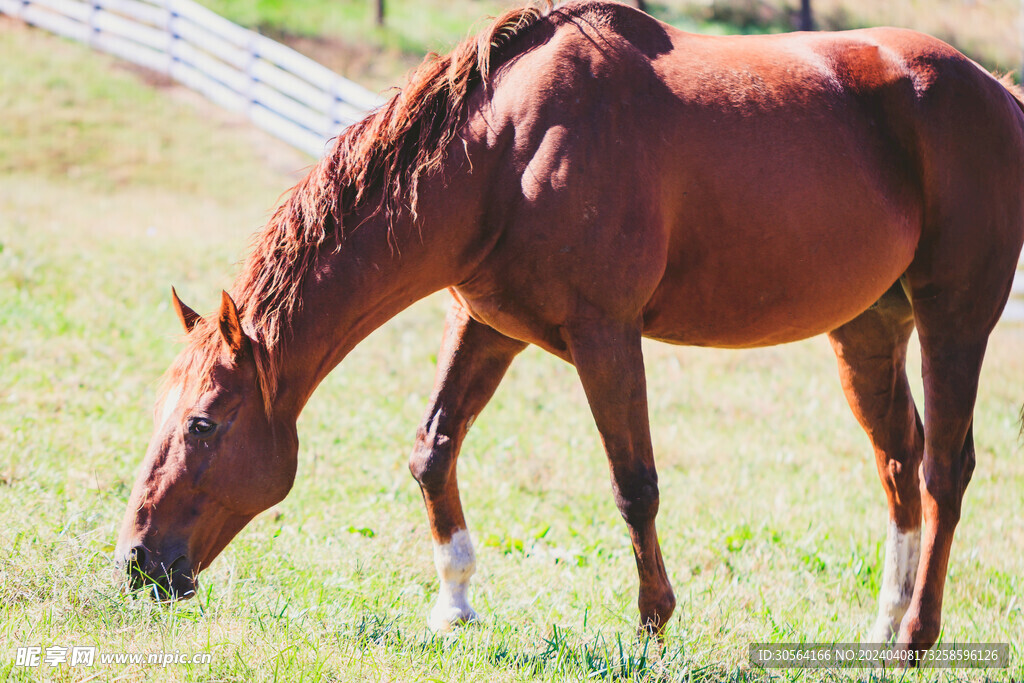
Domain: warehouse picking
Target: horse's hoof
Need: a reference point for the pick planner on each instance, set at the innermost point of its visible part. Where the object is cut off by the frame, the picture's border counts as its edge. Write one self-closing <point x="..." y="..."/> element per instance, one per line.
<point x="652" y="636"/>
<point x="445" y="618"/>
<point x="882" y="632"/>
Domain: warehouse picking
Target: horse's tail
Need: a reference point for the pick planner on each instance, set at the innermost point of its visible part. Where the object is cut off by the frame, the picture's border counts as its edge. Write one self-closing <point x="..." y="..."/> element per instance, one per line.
<point x="1006" y="81"/>
<point x="1017" y="93"/>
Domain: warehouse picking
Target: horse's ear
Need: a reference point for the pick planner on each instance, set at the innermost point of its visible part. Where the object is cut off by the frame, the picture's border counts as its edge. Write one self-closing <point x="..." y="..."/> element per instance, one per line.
<point x="186" y="315"/>
<point x="231" y="326"/>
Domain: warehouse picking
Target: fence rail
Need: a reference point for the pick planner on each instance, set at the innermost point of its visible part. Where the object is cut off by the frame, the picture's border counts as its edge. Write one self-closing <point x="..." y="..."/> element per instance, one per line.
<point x="287" y="94"/>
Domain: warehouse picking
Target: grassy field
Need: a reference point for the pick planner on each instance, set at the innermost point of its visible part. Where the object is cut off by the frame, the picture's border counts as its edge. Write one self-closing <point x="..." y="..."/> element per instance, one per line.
<point x="343" y="35"/>
<point x="772" y="517"/>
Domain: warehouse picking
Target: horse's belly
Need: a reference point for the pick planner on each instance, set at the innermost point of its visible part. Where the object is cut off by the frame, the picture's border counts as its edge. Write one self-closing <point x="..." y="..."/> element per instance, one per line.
<point x="749" y="324"/>
<point x="742" y="298"/>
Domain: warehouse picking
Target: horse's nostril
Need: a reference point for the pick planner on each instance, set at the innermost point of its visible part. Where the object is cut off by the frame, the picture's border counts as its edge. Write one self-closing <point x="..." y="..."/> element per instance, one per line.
<point x="136" y="557"/>
<point x="180" y="566"/>
<point x="136" y="566"/>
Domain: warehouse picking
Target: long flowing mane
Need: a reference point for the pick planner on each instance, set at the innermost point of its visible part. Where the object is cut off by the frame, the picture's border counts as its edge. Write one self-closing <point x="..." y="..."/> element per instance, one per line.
<point x="382" y="158"/>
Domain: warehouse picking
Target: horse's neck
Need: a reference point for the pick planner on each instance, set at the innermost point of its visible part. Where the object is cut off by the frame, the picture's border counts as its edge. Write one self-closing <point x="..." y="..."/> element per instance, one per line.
<point x="356" y="289"/>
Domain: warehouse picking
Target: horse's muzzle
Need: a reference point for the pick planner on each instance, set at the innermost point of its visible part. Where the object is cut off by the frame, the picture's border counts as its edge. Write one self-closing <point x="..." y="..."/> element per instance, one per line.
<point x="174" y="580"/>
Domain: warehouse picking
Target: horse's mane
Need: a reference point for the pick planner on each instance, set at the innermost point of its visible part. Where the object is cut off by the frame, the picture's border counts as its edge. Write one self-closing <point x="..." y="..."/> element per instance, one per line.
<point x="380" y="158"/>
<point x="1006" y="80"/>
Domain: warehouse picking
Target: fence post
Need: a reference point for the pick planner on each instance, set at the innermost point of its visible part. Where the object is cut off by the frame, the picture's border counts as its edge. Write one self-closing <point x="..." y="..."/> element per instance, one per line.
<point x="806" y="18"/>
<point x="250" y="74"/>
<point x="335" y="113"/>
<point x="94" y="29"/>
<point x="172" y="35"/>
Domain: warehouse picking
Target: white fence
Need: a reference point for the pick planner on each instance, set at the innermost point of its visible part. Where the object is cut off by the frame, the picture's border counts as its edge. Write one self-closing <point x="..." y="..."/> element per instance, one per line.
<point x="285" y="93"/>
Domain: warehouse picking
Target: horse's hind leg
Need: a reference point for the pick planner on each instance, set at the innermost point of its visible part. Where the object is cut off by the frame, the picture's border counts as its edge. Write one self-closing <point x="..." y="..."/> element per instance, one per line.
<point x="472" y="360"/>
<point x="872" y="351"/>
<point x="953" y="339"/>
<point x="957" y="299"/>
<point x="959" y="282"/>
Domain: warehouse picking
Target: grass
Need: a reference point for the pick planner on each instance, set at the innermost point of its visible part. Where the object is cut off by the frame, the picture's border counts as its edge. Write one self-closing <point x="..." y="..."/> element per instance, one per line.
<point x="109" y="131"/>
<point x="343" y="35"/>
<point x="772" y="517"/>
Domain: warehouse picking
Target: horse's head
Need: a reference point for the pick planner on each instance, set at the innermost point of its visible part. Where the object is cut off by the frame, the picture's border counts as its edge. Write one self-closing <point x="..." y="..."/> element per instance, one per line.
<point x="214" y="462"/>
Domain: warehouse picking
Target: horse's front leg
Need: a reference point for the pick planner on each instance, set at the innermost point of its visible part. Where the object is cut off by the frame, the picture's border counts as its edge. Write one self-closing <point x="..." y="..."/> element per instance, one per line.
<point x="472" y="360"/>
<point x="609" y="360"/>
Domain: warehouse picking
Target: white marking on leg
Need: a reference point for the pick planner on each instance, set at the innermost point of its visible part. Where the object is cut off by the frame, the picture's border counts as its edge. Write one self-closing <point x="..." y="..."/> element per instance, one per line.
<point x="171" y="399"/>
<point x="455" y="562"/>
<point x="902" y="551"/>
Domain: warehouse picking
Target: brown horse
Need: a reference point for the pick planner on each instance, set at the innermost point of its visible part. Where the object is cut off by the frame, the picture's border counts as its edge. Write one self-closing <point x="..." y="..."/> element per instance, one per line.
<point x="581" y="177"/>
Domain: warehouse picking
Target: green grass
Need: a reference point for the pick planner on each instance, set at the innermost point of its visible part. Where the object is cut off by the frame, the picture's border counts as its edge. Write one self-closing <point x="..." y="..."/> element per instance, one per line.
<point x="96" y="125"/>
<point x="343" y="34"/>
<point x="771" y="518"/>
<point x="420" y="26"/>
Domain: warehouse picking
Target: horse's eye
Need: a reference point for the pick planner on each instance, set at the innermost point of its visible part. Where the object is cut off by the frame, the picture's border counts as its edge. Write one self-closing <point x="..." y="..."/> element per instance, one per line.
<point x="201" y="427"/>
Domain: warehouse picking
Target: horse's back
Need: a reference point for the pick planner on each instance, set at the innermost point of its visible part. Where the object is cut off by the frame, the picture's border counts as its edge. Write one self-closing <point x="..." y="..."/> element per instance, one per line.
<point x="738" y="191"/>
